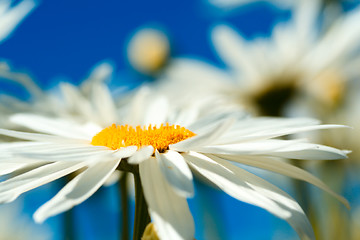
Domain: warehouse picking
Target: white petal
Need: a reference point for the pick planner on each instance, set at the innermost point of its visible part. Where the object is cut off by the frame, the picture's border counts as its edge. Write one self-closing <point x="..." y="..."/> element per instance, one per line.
<point x="297" y="220"/>
<point x="21" y="145"/>
<point x="49" y="147"/>
<point x="13" y="16"/>
<point x="234" y="51"/>
<point x="235" y="182"/>
<point x="157" y="111"/>
<point x="207" y="122"/>
<point x="305" y="17"/>
<point x="176" y="172"/>
<point x="6" y="168"/>
<point x="294" y="149"/>
<point x="100" y="73"/>
<point x="343" y="39"/>
<point x="77" y="190"/>
<point x="87" y="154"/>
<point x="59" y="127"/>
<point x="76" y="102"/>
<point x="277" y="132"/>
<point x="284" y="169"/>
<point x="205" y="138"/>
<point x="184" y="117"/>
<point x="12" y="151"/>
<point x="149" y="108"/>
<point x="310" y="151"/>
<point x="13" y="187"/>
<point x="247" y="148"/>
<point x="104" y="104"/>
<point x="141" y="155"/>
<point x="169" y="212"/>
<point x="137" y="105"/>
<point x="232" y="184"/>
<point x="113" y="178"/>
<point x="186" y="71"/>
<point x="125" y="152"/>
<point x="250" y="127"/>
<point x="40" y="137"/>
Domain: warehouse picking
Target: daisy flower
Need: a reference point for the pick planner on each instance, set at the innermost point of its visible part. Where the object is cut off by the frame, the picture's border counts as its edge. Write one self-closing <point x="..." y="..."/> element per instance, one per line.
<point x="302" y="59"/>
<point x="87" y="102"/>
<point x="298" y="57"/>
<point x="163" y="150"/>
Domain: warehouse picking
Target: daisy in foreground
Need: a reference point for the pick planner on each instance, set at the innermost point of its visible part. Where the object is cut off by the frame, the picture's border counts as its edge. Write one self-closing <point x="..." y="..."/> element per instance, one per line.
<point x="162" y="151"/>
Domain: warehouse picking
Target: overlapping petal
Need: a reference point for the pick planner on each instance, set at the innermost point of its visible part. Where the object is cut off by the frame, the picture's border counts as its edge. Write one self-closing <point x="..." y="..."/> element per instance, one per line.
<point x="176" y="172"/>
<point x="77" y="190"/>
<point x="169" y="211"/>
<point x="250" y="189"/>
<point x="13" y="187"/>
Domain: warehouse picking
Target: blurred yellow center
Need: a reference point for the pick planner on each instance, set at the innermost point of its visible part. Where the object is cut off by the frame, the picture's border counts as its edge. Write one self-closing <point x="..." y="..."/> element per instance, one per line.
<point x="329" y="87"/>
<point x="160" y="138"/>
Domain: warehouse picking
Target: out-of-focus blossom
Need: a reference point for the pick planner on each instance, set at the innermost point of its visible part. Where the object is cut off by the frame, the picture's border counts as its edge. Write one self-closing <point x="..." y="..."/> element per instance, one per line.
<point x="231" y="4"/>
<point x="286" y="4"/>
<point x="91" y="101"/>
<point x="300" y="59"/>
<point x="11" y="16"/>
<point x="189" y="81"/>
<point x="16" y="226"/>
<point x="148" y="50"/>
<point x="166" y="148"/>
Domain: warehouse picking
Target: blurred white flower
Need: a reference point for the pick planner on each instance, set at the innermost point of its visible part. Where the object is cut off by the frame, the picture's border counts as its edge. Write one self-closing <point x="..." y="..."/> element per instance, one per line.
<point x="231" y="4"/>
<point x="301" y="59"/>
<point x="285" y="4"/>
<point x="91" y="101"/>
<point x="148" y="50"/>
<point x="166" y="145"/>
<point x="11" y="16"/>
<point x="298" y="55"/>
<point x="16" y="226"/>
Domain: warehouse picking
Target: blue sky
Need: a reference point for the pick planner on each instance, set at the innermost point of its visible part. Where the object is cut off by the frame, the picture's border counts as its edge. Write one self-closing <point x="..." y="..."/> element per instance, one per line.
<point x="67" y="38"/>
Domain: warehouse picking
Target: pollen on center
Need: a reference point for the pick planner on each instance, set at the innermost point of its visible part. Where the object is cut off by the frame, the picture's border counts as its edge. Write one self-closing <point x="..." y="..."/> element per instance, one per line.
<point x="118" y="136"/>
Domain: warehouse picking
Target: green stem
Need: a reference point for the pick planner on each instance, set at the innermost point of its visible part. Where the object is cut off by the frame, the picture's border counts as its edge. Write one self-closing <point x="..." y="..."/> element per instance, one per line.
<point x="68" y="225"/>
<point x="301" y="191"/>
<point x="142" y="218"/>
<point x="69" y="233"/>
<point x="124" y="206"/>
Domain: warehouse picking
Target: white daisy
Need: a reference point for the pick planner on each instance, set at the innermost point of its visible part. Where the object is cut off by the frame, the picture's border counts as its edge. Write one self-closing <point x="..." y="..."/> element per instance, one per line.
<point x="91" y="101"/>
<point x="165" y="151"/>
<point x="299" y="59"/>
<point x="298" y="55"/>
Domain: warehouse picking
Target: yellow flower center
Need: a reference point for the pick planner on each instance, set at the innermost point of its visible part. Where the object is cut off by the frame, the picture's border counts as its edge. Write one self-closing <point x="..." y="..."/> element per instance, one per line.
<point x="160" y="138"/>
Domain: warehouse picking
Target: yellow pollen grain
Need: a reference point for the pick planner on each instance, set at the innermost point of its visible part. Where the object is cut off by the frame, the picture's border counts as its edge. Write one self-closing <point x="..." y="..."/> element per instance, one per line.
<point x="118" y="136"/>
